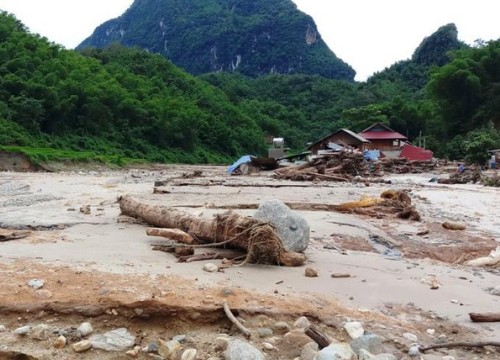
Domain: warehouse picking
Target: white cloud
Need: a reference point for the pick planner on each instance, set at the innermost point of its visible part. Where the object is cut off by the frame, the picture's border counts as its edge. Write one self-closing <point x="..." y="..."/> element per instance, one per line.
<point x="369" y="35"/>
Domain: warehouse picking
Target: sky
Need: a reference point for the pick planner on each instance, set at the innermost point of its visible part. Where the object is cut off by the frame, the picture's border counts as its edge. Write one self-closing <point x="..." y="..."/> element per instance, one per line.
<point x="369" y="35"/>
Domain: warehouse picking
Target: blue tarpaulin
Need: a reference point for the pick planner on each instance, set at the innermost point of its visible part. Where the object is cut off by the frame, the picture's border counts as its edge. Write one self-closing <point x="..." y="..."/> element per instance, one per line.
<point x="242" y="160"/>
<point x="371" y="155"/>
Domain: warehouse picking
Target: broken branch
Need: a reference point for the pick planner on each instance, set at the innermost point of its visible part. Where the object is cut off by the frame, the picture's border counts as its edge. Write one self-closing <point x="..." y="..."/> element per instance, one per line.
<point x="459" y="344"/>
<point x="233" y="319"/>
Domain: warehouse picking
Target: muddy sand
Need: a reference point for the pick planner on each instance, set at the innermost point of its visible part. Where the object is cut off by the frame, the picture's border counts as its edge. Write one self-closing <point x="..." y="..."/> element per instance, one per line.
<point x="100" y="268"/>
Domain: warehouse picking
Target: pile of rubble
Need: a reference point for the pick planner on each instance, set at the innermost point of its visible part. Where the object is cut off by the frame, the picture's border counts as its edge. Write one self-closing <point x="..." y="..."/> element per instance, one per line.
<point x="346" y="166"/>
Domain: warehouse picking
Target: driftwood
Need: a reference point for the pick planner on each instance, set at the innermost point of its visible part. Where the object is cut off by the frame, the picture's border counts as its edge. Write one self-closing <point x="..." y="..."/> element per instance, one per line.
<point x="453" y="226"/>
<point x="485" y="317"/>
<point x="172" y="234"/>
<point x="258" y="239"/>
<point x="318" y="336"/>
<point x="493" y="259"/>
<point x="14" y="236"/>
<point x="459" y="344"/>
<point x="233" y="319"/>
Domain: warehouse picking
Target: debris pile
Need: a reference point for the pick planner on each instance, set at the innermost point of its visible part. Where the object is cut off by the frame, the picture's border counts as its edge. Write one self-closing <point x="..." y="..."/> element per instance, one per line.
<point x="346" y="166"/>
<point x="468" y="176"/>
<point x="389" y="202"/>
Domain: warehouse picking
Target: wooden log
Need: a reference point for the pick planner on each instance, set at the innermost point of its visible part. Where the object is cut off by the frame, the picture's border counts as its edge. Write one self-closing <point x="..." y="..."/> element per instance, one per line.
<point x="172" y="234"/>
<point x="484" y="317"/>
<point x="423" y="349"/>
<point x="318" y="336"/>
<point x="258" y="239"/>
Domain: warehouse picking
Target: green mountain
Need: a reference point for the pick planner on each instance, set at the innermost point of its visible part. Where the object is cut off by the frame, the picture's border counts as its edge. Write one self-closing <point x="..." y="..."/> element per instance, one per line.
<point x="254" y="38"/>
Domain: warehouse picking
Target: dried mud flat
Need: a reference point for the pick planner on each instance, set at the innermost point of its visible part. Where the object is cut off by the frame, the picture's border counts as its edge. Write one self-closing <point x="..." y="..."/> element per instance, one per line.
<point x="101" y="270"/>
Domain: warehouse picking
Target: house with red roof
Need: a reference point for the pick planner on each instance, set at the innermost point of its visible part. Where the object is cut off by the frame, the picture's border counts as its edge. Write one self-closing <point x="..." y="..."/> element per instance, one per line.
<point x="383" y="138"/>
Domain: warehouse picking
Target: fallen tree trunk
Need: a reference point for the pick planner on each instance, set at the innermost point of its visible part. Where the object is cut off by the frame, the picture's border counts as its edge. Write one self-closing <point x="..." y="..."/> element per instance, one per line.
<point x="258" y="239"/>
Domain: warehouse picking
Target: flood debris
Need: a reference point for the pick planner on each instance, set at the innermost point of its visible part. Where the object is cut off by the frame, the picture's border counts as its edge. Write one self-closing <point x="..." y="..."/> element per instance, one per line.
<point x="390" y="202"/>
<point x="453" y="226"/>
<point x="16" y="235"/>
<point x="258" y="239"/>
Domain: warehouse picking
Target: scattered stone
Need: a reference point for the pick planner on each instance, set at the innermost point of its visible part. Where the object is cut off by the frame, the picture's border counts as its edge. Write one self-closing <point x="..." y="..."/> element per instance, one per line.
<point x="338" y="351"/>
<point x="23" y="330"/>
<point x="494" y="290"/>
<point x="152" y="347"/>
<point x="36" y="284"/>
<point x="354" y="329"/>
<point x="85" y="209"/>
<point x="448" y="358"/>
<point x="292" y="228"/>
<point x="430" y="332"/>
<point x="267" y="346"/>
<point x="409" y="336"/>
<point x="309" y="351"/>
<point x="138" y="311"/>
<point x="2" y="328"/>
<point x="222" y="342"/>
<point x="84" y="329"/>
<point x="179" y="338"/>
<point x="294" y="341"/>
<point x="209" y="267"/>
<point x="414" y="351"/>
<point x="371" y="343"/>
<point x="115" y="340"/>
<point x="282" y="326"/>
<point x="134" y="352"/>
<point x="366" y="355"/>
<point x="242" y="350"/>
<point x="310" y="272"/>
<point x="82" y="346"/>
<point x="264" y="332"/>
<point x="189" y="354"/>
<point x="40" y="332"/>
<point x="60" y="342"/>
<point x="169" y="348"/>
<point x="301" y="323"/>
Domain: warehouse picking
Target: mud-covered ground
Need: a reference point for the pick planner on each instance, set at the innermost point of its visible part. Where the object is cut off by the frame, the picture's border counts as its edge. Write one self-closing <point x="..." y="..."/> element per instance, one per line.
<point x="98" y="267"/>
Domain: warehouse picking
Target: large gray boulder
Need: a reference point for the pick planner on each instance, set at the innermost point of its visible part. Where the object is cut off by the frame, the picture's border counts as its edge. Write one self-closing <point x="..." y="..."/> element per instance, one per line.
<point x="292" y="228"/>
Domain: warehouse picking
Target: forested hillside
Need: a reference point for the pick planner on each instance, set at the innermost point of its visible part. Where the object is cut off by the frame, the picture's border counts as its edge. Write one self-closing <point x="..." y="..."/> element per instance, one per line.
<point x="254" y="38"/>
<point x="119" y="103"/>
<point x="115" y="101"/>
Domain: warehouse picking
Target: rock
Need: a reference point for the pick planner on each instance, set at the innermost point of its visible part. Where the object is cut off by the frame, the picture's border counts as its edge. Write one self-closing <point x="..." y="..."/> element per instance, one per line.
<point x="115" y="340"/>
<point x="189" y="354"/>
<point x="292" y="228"/>
<point x="23" y="330"/>
<point x="43" y="294"/>
<point x="138" y="311"/>
<point x="293" y="342"/>
<point x="370" y="342"/>
<point x="309" y="272"/>
<point x="301" y="323"/>
<point x="152" y="347"/>
<point x="366" y="355"/>
<point x="179" y="338"/>
<point x="282" y="326"/>
<point x="2" y="328"/>
<point x="169" y="348"/>
<point x="354" y="329"/>
<point x="40" y="332"/>
<point x="209" y="267"/>
<point x="36" y="284"/>
<point x="267" y="346"/>
<point x="309" y="351"/>
<point x="264" y="332"/>
<point x="222" y="342"/>
<point x="414" y="351"/>
<point x="84" y="329"/>
<point x="134" y="352"/>
<point x="242" y="350"/>
<point x="82" y="346"/>
<point x="409" y="336"/>
<point x="337" y="351"/>
<point x="494" y="290"/>
<point x="60" y="342"/>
